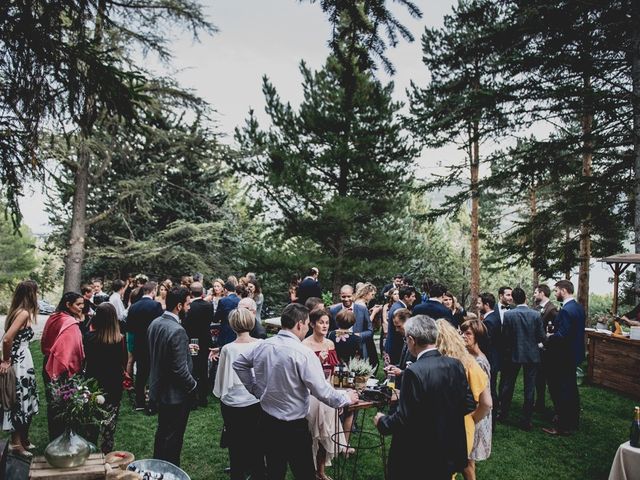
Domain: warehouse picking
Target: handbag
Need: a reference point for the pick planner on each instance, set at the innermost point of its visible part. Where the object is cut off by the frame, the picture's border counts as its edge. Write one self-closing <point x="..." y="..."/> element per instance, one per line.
<point x="8" y="389"/>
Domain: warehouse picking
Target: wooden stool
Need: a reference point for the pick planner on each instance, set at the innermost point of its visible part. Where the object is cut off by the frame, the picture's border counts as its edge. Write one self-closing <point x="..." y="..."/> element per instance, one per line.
<point x="95" y="468"/>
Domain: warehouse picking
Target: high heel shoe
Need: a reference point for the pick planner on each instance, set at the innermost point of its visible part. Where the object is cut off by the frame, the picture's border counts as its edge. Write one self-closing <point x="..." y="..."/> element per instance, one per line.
<point x="19" y="450"/>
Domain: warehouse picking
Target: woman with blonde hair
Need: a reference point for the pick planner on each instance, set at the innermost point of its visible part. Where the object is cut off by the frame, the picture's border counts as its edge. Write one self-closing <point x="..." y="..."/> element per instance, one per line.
<point x="240" y="409"/>
<point x="450" y="344"/>
<point x="23" y="312"/>
<point x="216" y="292"/>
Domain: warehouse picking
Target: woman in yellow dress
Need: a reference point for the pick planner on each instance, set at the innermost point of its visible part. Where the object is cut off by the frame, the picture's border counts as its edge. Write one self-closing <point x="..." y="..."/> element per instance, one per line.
<point x="450" y="344"/>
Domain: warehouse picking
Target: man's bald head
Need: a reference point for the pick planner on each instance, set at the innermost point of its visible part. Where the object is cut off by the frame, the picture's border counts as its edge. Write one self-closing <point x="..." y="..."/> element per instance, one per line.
<point x="197" y="289"/>
<point x="346" y="296"/>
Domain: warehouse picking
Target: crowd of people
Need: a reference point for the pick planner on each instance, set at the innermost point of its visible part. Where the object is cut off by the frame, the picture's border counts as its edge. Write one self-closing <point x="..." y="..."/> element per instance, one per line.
<point x="456" y="370"/>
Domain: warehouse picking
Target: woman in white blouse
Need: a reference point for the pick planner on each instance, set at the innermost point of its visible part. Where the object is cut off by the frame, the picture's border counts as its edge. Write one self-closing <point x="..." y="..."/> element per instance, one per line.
<point x="240" y="409"/>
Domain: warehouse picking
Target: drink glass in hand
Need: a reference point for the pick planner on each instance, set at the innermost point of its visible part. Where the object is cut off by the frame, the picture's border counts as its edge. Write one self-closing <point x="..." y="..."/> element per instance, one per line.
<point x="391" y="381"/>
<point x="194" y="347"/>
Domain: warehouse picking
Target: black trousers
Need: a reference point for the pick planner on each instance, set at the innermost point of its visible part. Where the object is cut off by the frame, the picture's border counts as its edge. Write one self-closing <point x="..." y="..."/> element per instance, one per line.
<point x="564" y="393"/>
<point x="172" y="422"/>
<point x="201" y="374"/>
<point x="507" y="385"/>
<point x="141" y="357"/>
<point x="541" y="381"/>
<point x="243" y="441"/>
<point x="287" y="443"/>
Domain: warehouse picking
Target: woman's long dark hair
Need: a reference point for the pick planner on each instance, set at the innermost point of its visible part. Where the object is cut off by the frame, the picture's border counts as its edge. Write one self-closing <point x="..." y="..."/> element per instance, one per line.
<point x="67" y="298"/>
<point x="24" y="298"/>
<point x="106" y="325"/>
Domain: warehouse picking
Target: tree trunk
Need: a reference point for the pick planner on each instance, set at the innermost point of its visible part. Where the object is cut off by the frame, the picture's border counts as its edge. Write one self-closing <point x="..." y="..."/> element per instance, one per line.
<point x="533" y="207"/>
<point x="338" y="271"/>
<point x="75" y="253"/>
<point x="585" y="224"/>
<point x="635" y="98"/>
<point x="475" y="204"/>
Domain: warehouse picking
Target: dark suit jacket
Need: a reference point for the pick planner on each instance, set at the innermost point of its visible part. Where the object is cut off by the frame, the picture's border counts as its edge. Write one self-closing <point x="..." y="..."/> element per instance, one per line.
<point x="225" y="305"/>
<point x="435" y="310"/>
<point x="391" y="332"/>
<point x="548" y="313"/>
<point x="428" y="426"/>
<point x="567" y="341"/>
<point x="521" y="333"/>
<point x="363" y="319"/>
<point x="139" y="317"/>
<point x="494" y="331"/>
<point x="170" y="379"/>
<point x="308" y="288"/>
<point x="196" y="323"/>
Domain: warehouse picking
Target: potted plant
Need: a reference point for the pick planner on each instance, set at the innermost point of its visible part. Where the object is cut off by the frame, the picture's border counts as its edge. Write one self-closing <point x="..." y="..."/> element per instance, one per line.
<point x="362" y="370"/>
<point x="78" y="404"/>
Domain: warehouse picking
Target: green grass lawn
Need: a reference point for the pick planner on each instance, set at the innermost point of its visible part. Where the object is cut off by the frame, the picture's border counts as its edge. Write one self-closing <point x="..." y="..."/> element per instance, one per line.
<point x="606" y="417"/>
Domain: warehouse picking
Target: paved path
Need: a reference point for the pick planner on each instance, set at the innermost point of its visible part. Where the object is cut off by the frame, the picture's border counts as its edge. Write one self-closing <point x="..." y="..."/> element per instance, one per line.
<point x="37" y="328"/>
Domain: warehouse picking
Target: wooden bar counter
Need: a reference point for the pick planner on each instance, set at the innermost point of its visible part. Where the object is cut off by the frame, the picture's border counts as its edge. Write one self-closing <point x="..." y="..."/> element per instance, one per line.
<point x="614" y="362"/>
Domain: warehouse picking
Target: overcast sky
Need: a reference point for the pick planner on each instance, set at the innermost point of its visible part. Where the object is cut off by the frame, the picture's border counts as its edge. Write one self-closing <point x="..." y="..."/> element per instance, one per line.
<point x="271" y="37"/>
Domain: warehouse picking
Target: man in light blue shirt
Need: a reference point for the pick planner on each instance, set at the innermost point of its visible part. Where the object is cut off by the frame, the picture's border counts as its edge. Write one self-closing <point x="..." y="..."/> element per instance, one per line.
<point x="281" y="372"/>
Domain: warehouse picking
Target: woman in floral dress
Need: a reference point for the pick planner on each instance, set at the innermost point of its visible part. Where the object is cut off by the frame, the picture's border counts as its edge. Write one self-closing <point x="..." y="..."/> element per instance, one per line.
<point x="16" y="354"/>
<point x="474" y="335"/>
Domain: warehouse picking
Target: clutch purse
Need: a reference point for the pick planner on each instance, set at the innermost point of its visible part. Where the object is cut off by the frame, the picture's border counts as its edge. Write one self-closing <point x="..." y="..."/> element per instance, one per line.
<point x="8" y="389"/>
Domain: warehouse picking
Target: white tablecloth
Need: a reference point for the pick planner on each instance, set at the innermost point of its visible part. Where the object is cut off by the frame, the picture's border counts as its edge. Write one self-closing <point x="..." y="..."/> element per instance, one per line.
<point x="626" y="464"/>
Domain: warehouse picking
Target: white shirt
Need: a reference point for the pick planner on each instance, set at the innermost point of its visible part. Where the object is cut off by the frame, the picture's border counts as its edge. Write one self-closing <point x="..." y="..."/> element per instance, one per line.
<point x="282" y="373"/>
<point x="116" y="301"/>
<point x="228" y="387"/>
<point x="425" y="351"/>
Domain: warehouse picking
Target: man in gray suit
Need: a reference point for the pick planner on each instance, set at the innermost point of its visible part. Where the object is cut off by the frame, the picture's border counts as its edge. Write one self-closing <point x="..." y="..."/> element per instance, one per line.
<point x="171" y="383"/>
<point x="522" y="337"/>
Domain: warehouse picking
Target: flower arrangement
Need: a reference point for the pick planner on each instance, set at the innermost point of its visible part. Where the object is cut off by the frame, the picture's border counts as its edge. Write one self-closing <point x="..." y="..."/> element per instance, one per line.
<point x="360" y="367"/>
<point x="78" y="401"/>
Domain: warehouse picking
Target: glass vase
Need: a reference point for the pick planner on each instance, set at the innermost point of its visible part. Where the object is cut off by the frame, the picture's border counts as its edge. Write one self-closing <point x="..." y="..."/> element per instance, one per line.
<point x="68" y="450"/>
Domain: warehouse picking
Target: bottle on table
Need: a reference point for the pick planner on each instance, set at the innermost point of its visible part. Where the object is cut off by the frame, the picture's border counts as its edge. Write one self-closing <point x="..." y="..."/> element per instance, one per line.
<point x="336" y="377"/>
<point x="634" y="436"/>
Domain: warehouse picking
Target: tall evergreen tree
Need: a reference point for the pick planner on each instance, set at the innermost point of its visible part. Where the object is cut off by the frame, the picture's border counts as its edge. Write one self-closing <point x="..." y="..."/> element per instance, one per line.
<point x="464" y="103"/>
<point x="157" y="203"/>
<point x="83" y="65"/>
<point x="337" y="177"/>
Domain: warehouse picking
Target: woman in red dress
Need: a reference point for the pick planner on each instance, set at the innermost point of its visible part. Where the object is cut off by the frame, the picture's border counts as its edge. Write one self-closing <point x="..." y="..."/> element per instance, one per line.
<point x="321" y="417"/>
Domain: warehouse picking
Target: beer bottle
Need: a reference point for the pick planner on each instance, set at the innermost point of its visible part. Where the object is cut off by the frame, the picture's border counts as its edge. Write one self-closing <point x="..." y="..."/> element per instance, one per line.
<point x="634" y="436"/>
<point x="336" y="377"/>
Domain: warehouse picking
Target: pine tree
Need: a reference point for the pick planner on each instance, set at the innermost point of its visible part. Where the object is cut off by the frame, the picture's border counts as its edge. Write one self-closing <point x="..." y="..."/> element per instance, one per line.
<point x="157" y="204"/>
<point x="336" y="176"/>
<point x="83" y="66"/>
<point x="464" y="103"/>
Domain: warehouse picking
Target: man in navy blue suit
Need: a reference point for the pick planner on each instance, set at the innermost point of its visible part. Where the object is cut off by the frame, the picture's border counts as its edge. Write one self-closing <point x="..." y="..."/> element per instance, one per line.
<point x="140" y="316"/>
<point x="309" y="286"/>
<point x="433" y="307"/>
<point x="225" y="305"/>
<point x="394" y="343"/>
<point x="565" y="347"/>
<point x="486" y="306"/>
<point x="362" y="327"/>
